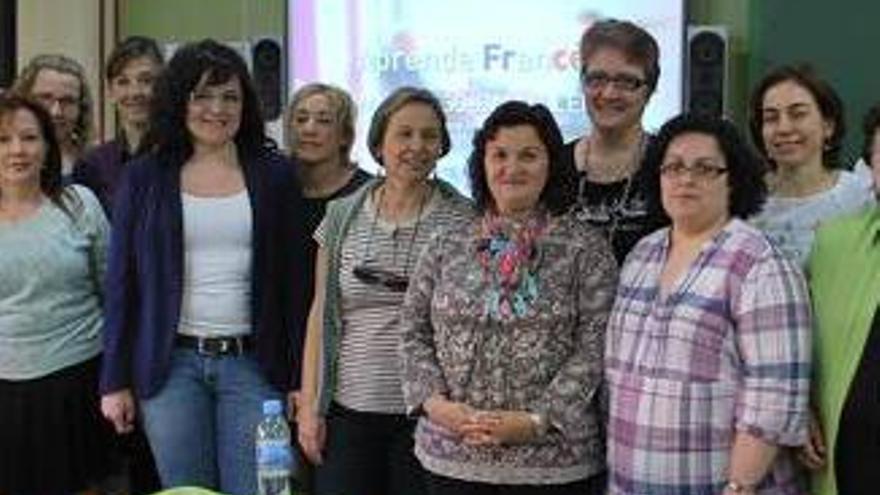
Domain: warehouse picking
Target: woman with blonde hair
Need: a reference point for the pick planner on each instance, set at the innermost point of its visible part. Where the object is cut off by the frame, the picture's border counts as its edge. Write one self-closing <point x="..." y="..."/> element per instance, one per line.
<point x="59" y="83"/>
<point x="320" y="135"/>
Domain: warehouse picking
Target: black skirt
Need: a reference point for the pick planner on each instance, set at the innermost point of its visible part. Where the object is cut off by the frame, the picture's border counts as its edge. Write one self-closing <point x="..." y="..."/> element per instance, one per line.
<point x="53" y="438"/>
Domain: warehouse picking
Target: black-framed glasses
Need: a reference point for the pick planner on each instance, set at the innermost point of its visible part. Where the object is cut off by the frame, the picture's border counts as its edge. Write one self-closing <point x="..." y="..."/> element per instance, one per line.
<point x="700" y="171"/>
<point x="65" y="102"/>
<point x="596" y="80"/>
<point x="369" y="275"/>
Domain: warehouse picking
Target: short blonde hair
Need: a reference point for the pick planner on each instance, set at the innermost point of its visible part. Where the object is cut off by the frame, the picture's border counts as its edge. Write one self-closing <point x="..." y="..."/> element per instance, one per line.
<point x="343" y="105"/>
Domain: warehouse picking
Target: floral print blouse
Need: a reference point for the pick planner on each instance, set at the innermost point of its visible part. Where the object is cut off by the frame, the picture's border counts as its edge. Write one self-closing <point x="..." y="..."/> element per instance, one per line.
<point x="546" y="360"/>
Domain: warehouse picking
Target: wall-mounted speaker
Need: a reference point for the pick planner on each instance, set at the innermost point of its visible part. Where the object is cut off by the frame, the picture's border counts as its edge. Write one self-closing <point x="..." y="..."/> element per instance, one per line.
<point x="267" y="66"/>
<point x="707" y="55"/>
<point x="7" y="43"/>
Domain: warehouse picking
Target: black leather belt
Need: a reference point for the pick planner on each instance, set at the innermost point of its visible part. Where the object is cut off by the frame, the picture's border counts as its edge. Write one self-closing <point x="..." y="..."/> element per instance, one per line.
<point x="216" y="346"/>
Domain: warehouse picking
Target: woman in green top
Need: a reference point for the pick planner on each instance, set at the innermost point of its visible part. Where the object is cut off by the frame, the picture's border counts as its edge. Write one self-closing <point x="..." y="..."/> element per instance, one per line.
<point x="845" y="283"/>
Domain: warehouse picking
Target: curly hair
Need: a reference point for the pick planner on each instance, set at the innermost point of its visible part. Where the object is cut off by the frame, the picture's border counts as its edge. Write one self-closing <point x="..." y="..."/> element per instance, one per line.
<point x="84" y="127"/>
<point x="745" y="168"/>
<point x="216" y="63"/>
<point x="829" y="103"/>
<point x="558" y="194"/>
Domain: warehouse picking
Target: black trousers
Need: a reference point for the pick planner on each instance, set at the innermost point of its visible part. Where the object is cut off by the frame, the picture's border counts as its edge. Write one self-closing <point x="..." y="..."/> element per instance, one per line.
<point x="368" y="454"/>
<point x="137" y="462"/>
<point x="858" y="437"/>
<point x="441" y="485"/>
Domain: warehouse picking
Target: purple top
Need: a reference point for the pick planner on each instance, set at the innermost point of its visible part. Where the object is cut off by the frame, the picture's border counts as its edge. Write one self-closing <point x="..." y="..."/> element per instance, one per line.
<point x="101" y="169"/>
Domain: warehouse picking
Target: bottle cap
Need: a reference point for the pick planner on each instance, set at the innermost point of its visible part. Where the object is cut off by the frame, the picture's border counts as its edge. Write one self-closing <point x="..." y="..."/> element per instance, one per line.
<point x="272" y="406"/>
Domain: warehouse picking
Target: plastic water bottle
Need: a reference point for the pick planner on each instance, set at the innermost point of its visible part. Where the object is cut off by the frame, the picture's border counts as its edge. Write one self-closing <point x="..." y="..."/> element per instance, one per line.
<point x="274" y="455"/>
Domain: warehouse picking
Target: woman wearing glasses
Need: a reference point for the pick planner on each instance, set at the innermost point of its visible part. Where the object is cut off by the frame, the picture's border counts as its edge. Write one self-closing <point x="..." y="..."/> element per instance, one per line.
<point x="205" y="264"/>
<point x="352" y="420"/>
<point x="619" y="72"/>
<point x="504" y="326"/>
<point x="708" y="345"/>
<point x="59" y="84"/>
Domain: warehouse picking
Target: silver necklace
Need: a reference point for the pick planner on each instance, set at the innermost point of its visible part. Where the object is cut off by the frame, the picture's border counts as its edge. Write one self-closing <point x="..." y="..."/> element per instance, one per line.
<point x="614" y="211"/>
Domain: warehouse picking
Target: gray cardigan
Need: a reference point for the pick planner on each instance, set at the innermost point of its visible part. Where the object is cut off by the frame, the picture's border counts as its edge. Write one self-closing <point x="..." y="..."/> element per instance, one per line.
<point x="337" y="221"/>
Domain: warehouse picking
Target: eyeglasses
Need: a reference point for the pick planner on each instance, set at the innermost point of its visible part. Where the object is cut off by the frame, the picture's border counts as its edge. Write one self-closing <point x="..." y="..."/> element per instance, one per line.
<point x="699" y="171"/>
<point x="49" y="100"/>
<point x="597" y="80"/>
<point x="205" y="99"/>
<point x="376" y="276"/>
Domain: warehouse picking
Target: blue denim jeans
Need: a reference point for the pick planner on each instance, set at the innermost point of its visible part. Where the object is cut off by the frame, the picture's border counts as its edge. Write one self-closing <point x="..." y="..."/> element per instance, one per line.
<point x="201" y="424"/>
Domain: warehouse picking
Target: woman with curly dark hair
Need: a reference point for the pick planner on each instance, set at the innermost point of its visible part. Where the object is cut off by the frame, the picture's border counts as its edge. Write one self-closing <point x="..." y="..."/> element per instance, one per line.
<point x="504" y="325"/>
<point x="708" y="346"/>
<point x="205" y="265"/>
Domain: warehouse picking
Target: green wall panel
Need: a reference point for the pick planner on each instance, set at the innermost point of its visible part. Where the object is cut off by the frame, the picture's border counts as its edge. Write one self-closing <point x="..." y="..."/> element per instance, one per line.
<point x="838" y="39"/>
<point x="186" y="20"/>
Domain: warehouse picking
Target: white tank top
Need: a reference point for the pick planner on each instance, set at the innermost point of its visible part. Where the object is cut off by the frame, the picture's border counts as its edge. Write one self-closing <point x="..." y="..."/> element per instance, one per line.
<point x="217" y="265"/>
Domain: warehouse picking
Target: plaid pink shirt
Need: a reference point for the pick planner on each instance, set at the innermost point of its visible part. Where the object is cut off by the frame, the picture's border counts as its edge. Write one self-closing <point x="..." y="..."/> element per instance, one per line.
<point x="726" y="350"/>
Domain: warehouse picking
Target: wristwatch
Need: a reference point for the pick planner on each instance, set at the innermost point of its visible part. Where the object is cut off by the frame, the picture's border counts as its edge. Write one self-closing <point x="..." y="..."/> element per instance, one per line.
<point x="415" y="412"/>
<point x="539" y="423"/>
<point x="737" y="487"/>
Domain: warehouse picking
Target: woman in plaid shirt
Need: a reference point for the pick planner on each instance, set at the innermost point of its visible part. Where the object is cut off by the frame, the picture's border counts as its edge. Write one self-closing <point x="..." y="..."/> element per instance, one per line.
<point x="708" y="344"/>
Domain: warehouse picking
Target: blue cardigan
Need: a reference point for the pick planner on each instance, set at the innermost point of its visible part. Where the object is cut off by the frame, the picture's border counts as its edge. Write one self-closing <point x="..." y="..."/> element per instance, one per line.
<point x="145" y="273"/>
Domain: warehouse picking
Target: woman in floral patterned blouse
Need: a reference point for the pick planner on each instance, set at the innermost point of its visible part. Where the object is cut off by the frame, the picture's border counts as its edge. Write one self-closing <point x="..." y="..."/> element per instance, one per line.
<point x="504" y="326"/>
